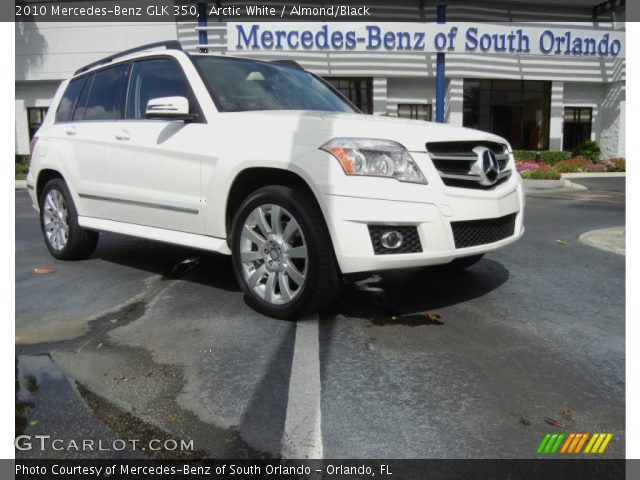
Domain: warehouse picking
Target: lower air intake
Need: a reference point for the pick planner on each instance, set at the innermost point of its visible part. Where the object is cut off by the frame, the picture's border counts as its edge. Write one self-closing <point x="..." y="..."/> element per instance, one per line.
<point x="480" y="232"/>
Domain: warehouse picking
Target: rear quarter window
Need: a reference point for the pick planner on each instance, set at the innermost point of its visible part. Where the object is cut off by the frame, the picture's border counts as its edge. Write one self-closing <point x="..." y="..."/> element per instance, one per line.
<point x="69" y="99"/>
<point x="81" y="104"/>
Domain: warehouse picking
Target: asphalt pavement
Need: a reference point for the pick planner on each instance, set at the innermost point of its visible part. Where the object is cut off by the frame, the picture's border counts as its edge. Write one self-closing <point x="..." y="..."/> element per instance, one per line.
<point x="145" y="340"/>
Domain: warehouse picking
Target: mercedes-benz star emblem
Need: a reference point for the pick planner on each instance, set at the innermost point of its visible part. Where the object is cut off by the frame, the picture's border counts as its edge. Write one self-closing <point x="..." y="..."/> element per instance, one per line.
<point x="486" y="166"/>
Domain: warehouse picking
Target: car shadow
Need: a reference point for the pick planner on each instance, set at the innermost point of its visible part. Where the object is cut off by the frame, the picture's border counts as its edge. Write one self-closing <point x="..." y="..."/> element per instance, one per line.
<point x="405" y="296"/>
<point x="169" y="261"/>
<point x="393" y="293"/>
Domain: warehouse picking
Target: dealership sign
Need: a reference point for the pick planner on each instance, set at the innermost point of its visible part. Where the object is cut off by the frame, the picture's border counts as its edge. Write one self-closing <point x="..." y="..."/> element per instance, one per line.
<point x="425" y="37"/>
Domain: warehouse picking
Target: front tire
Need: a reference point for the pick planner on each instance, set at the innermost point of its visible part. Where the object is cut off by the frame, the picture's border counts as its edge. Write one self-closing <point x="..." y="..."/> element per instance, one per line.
<point x="282" y="253"/>
<point x="63" y="236"/>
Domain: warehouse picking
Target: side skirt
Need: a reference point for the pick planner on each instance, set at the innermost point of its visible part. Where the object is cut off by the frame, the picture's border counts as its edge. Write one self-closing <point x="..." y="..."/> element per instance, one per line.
<point x="201" y="242"/>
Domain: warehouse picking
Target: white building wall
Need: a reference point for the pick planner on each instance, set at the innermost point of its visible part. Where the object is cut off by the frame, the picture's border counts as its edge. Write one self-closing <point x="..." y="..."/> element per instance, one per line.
<point x="556" y="116"/>
<point x="612" y="127"/>
<point x="581" y="95"/>
<point x="54" y="50"/>
<point x="410" y="90"/>
<point x="621" y="150"/>
<point x="30" y="94"/>
<point x="535" y="67"/>
<point x="608" y="104"/>
<point x="22" y="129"/>
<point x="454" y="102"/>
<point x="379" y="95"/>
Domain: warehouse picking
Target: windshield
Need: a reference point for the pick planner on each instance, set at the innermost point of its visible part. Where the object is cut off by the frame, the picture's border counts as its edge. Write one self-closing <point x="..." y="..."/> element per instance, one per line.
<point x="240" y="85"/>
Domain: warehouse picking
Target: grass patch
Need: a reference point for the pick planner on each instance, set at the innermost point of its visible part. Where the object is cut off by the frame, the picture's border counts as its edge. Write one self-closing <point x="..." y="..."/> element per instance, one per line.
<point x="22" y="166"/>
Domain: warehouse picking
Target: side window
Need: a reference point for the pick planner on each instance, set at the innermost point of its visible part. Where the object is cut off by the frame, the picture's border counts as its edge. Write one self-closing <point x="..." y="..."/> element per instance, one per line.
<point x="104" y="98"/>
<point x="68" y="101"/>
<point x="158" y="77"/>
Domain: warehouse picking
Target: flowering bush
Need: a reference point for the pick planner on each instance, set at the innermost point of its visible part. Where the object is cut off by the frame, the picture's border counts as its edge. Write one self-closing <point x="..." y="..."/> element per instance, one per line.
<point x="616" y="164"/>
<point x="594" y="167"/>
<point x="529" y="166"/>
<point x="542" y="171"/>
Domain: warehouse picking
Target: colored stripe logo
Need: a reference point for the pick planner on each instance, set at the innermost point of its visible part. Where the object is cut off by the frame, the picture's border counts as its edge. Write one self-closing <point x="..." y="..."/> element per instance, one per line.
<point x="573" y="443"/>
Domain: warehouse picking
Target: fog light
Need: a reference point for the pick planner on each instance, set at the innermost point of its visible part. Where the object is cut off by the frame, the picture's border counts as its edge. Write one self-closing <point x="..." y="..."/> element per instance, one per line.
<point x="391" y="239"/>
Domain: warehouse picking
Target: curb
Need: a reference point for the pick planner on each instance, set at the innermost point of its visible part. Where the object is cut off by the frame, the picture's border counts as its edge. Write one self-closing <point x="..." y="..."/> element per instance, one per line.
<point x="595" y="175"/>
<point x="21" y="184"/>
<point x="608" y="239"/>
<point x="533" y="185"/>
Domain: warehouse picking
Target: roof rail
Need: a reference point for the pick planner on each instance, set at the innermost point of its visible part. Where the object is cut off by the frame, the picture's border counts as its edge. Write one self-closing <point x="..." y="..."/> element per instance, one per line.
<point x="288" y="63"/>
<point x="168" y="45"/>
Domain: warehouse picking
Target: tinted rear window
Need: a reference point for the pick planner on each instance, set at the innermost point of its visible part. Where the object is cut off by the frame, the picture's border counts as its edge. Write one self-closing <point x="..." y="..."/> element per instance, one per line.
<point x="104" y="99"/>
<point x="65" y="109"/>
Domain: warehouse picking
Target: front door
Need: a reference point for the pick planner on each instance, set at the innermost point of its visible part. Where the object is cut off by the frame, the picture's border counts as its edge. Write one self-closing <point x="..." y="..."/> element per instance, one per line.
<point x="155" y="164"/>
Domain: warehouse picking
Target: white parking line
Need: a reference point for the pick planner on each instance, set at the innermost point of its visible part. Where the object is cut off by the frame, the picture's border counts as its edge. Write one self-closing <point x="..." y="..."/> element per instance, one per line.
<point x="302" y="430"/>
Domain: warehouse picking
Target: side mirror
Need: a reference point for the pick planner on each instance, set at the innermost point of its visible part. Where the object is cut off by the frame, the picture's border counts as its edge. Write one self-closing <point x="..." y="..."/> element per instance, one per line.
<point x="169" y="108"/>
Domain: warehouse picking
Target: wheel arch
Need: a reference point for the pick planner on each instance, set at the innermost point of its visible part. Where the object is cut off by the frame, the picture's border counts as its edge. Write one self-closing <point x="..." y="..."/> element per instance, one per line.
<point x="44" y="176"/>
<point x="253" y="178"/>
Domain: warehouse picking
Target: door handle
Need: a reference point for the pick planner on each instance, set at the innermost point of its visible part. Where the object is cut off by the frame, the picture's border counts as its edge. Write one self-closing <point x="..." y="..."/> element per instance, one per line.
<point x="71" y="131"/>
<point x="123" y="136"/>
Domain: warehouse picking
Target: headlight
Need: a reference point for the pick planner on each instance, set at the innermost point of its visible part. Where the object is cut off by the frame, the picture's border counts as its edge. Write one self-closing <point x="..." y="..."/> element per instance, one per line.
<point x="378" y="158"/>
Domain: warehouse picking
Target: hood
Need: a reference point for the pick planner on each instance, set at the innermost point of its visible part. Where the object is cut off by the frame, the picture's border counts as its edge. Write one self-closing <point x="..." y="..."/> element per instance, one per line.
<point x="324" y="126"/>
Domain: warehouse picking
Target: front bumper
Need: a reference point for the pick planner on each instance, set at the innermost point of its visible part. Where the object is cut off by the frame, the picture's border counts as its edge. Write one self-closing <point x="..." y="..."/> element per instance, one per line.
<point x="349" y="218"/>
<point x="32" y="191"/>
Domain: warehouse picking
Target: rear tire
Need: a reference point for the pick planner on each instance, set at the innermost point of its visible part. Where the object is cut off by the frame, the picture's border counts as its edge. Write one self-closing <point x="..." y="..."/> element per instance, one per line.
<point x="283" y="255"/>
<point x="64" y="238"/>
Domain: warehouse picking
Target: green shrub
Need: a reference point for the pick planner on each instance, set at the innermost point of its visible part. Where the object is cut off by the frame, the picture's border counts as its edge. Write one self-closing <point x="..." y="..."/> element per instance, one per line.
<point x="589" y="150"/>
<point x="524" y="154"/>
<point x="22" y="166"/>
<point x="552" y="157"/>
<point x="541" y="174"/>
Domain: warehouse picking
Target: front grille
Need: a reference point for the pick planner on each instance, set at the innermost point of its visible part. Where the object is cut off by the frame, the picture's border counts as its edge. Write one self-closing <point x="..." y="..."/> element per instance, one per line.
<point x="454" y="162"/>
<point x="480" y="232"/>
<point x="456" y="182"/>
<point x="465" y="147"/>
<point x="462" y="167"/>
<point x="410" y="239"/>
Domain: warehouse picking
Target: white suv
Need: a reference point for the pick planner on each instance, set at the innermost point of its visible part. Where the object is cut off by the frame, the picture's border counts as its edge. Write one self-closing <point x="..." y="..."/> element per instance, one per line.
<point x="268" y="163"/>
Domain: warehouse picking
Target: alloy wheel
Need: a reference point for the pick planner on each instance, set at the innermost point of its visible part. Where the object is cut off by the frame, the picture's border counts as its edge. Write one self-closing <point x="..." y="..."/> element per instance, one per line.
<point x="273" y="254"/>
<point x="56" y="219"/>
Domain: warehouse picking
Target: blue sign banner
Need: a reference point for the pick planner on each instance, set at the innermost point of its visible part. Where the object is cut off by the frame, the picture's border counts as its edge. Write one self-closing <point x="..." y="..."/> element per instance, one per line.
<point x="504" y="38"/>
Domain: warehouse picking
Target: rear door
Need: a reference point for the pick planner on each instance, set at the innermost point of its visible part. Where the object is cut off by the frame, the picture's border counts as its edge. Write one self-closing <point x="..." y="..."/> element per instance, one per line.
<point x="155" y="164"/>
<point x="79" y="135"/>
<point x="96" y="113"/>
